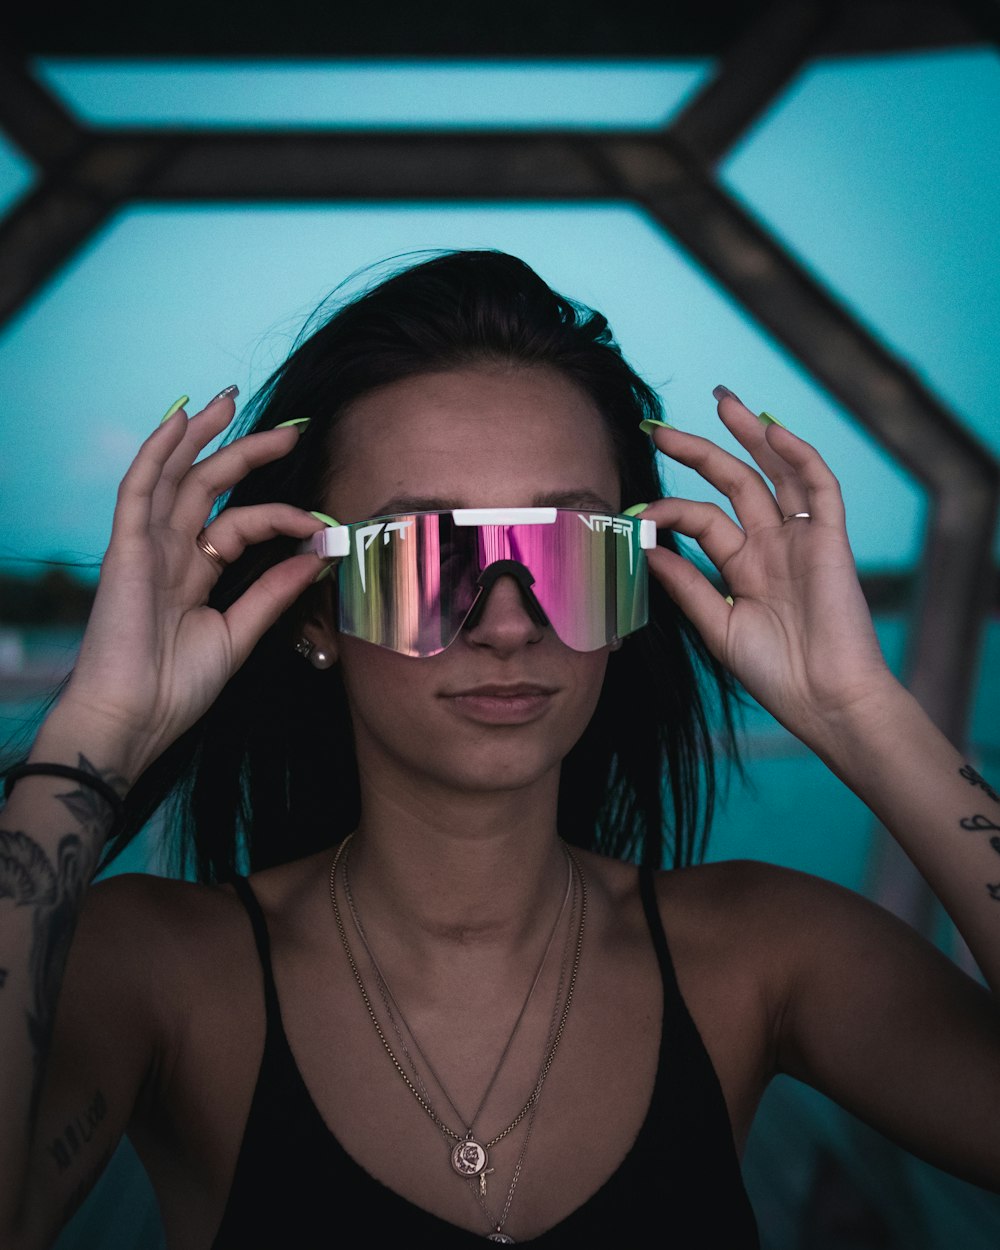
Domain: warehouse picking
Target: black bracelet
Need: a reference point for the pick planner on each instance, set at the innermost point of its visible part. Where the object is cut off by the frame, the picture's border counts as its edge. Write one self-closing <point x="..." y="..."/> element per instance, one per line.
<point x="82" y="778"/>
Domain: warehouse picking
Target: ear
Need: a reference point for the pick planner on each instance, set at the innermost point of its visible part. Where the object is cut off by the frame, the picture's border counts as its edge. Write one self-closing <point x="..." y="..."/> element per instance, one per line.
<point x="316" y="640"/>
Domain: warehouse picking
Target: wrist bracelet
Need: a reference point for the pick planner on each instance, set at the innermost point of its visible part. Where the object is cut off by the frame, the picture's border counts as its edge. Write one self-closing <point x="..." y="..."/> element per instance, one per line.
<point x="82" y="778"/>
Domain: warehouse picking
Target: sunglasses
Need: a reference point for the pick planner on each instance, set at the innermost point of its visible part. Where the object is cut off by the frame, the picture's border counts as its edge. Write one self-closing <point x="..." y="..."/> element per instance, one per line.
<point x="412" y="582"/>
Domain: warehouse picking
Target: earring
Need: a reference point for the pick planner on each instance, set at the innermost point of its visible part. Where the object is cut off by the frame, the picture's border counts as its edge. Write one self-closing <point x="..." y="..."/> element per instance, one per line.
<point x="320" y="659"/>
<point x="304" y="648"/>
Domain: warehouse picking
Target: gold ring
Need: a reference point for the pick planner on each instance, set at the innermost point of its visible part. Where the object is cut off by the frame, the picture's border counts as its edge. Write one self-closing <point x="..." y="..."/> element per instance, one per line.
<point x="204" y="545"/>
<point x="795" y="516"/>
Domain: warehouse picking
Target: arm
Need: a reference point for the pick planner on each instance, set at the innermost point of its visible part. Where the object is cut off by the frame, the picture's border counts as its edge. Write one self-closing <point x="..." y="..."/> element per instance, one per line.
<point x="153" y="658"/>
<point x="861" y="1006"/>
<point x="799" y="637"/>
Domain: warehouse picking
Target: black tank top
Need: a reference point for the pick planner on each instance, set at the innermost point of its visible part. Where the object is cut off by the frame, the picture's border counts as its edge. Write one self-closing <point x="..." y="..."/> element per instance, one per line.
<point x="296" y="1186"/>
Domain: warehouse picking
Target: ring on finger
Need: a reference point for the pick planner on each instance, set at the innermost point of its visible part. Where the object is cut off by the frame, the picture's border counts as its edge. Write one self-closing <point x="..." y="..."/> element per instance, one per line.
<point x="795" y="516"/>
<point x="203" y="545"/>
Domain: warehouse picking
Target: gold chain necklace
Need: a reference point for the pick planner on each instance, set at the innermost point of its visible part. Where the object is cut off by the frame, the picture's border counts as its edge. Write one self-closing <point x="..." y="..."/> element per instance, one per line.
<point x="497" y="1222"/>
<point x="393" y="1008"/>
<point x="469" y="1157"/>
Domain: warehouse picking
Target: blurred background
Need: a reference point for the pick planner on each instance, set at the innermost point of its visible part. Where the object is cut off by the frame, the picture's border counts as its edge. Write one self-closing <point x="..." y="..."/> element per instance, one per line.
<point x="798" y="200"/>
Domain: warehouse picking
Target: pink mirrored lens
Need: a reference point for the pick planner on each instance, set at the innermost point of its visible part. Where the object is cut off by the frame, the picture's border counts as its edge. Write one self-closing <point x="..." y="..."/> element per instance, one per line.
<point x="410" y="581"/>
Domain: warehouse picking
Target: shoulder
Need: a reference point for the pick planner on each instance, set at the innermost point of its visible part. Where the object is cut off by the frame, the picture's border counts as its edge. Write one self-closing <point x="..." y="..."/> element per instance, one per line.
<point x="156" y="911"/>
<point x="764" y="903"/>
<point x="156" y="940"/>
<point x="795" y="944"/>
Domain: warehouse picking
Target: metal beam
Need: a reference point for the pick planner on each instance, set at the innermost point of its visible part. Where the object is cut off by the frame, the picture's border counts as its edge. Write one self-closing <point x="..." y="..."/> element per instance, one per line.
<point x="309" y="29"/>
<point x="751" y="75"/>
<point x="47" y="228"/>
<point x="32" y="119"/>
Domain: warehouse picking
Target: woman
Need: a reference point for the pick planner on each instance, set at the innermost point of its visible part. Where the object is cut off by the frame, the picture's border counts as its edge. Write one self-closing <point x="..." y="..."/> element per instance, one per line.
<point x="449" y="1024"/>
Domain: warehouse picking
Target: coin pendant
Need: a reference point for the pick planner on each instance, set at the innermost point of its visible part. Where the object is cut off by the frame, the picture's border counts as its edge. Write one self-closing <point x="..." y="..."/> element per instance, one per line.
<point x="469" y="1157"/>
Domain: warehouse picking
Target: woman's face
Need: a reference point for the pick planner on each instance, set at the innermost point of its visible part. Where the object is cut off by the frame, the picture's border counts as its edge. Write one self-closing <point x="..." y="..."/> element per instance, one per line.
<point x="504" y="703"/>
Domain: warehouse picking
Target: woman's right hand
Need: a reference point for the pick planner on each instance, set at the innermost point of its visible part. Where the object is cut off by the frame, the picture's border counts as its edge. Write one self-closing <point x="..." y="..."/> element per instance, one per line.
<point x="155" y="656"/>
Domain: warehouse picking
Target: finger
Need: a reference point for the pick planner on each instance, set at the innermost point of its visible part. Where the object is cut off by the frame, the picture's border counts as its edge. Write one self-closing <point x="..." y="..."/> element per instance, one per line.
<point x="694" y="594"/>
<point x="717" y="534"/>
<point x="262" y="604"/>
<point x="198" y="433"/>
<point x="824" y="500"/>
<point x="236" y="529"/>
<point x="750" y="431"/>
<point x="218" y="473"/>
<point x="753" y="503"/>
<point x="138" y="486"/>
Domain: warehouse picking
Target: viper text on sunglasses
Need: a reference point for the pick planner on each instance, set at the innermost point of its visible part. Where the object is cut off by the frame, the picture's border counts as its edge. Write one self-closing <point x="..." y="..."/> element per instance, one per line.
<point x="411" y="582"/>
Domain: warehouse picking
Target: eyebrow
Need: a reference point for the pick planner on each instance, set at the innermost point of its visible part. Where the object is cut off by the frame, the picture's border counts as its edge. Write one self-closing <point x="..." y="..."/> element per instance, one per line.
<point x="588" y="500"/>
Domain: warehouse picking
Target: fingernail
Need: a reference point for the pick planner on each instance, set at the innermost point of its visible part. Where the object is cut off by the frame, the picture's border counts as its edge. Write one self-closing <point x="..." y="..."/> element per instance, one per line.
<point x="651" y="424"/>
<point x="321" y="516"/>
<point x="729" y="600"/>
<point x="175" y="407"/>
<point x="635" y="509"/>
<point x="324" y="572"/>
<point x="723" y="392"/>
<point x="766" y="419"/>
<point x="227" y="393"/>
<point x="303" y="421"/>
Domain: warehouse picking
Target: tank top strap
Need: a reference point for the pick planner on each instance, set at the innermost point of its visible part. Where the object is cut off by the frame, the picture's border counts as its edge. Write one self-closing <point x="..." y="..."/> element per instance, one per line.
<point x="647" y="892"/>
<point x="245" y="894"/>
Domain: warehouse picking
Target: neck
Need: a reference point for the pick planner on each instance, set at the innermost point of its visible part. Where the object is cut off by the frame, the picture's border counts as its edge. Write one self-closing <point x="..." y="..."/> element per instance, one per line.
<point x="460" y="869"/>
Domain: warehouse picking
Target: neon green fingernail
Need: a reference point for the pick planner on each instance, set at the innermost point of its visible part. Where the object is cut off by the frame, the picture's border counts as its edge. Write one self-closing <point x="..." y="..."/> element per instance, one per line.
<point x="175" y="407"/>
<point x="650" y="424"/>
<point x="766" y="419"/>
<point x="729" y="600"/>
<point x="321" y="516"/>
<point x="303" y="421"/>
<point x="635" y="509"/>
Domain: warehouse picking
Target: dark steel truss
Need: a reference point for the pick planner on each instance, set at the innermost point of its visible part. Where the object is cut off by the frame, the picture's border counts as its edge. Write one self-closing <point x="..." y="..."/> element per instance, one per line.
<point x="87" y="174"/>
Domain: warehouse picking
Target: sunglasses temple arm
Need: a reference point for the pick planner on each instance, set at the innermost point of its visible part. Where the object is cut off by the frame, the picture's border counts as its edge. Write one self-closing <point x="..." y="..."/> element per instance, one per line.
<point x="329" y="543"/>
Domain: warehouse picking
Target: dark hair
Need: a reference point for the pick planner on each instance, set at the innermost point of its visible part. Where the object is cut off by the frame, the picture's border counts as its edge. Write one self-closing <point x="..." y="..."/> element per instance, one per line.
<point x="269" y="773"/>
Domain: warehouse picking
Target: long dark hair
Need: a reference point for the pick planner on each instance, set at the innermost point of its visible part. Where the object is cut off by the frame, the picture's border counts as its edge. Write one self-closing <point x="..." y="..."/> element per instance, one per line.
<point x="269" y="773"/>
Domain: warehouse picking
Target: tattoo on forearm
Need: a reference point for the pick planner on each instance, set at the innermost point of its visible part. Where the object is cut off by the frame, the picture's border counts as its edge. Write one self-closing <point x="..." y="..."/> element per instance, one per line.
<point x="974" y="779"/>
<point x="28" y="876"/>
<point x="89" y="808"/>
<point x="65" y="1148"/>
<point x="978" y="823"/>
<point x="80" y="1192"/>
<point x="53" y="890"/>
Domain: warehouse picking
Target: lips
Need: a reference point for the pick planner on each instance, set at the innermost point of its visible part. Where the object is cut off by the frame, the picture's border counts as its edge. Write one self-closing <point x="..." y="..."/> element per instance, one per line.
<point x="502" y="703"/>
<point x="502" y="691"/>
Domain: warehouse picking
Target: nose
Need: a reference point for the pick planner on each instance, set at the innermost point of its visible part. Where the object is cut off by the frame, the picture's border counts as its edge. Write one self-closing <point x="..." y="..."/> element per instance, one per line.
<point x="506" y="615"/>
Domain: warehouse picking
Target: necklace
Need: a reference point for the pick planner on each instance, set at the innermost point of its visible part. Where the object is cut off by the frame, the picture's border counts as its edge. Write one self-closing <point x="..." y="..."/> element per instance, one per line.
<point x="469" y="1156"/>
<point x="497" y="1222"/>
<point x="390" y="1003"/>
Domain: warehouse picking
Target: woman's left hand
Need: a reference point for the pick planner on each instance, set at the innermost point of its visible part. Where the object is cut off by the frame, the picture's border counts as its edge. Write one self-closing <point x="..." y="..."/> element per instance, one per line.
<point x="798" y="634"/>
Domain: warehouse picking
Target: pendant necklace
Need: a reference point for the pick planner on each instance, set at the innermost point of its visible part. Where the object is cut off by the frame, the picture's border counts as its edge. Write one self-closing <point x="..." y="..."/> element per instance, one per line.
<point x="469" y="1156"/>
<point x="497" y="1222"/>
<point x="466" y="1151"/>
